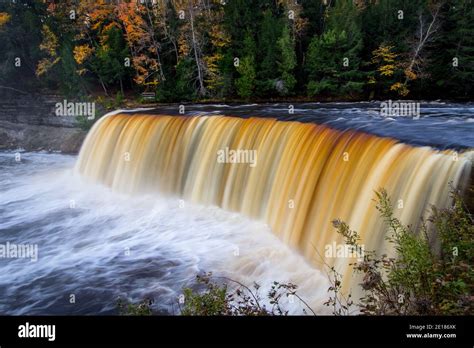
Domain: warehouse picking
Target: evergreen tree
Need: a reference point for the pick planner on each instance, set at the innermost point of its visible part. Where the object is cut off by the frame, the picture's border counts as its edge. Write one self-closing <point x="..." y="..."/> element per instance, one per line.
<point x="267" y="73"/>
<point x="337" y="48"/>
<point x="333" y="59"/>
<point x="286" y="62"/>
<point x="245" y="84"/>
<point x="109" y="60"/>
<point x="452" y="69"/>
<point x="391" y="22"/>
<point x="20" y="39"/>
<point x="184" y="73"/>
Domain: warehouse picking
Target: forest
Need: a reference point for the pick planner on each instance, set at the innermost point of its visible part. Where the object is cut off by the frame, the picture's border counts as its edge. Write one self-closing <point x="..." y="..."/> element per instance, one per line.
<point x="235" y="50"/>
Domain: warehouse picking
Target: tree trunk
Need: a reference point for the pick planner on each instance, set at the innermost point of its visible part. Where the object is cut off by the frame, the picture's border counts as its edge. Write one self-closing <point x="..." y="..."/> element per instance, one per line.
<point x="202" y="90"/>
<point x="155" y="45"/>
<point x="424" y="37"/>
<point x="103" y="86"/>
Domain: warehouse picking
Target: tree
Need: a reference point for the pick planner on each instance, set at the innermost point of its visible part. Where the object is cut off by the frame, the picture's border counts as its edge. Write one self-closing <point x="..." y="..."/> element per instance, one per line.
<point x="333" y="59"/>
<point x="215" y="58"/>
<point x="191" y="40"/>
<point x="143" y="48"/>
<point x="389" y="21"/>
<point x="388" y="72"/>
<point x="452" y="66"/>
<point x="4" y="18"/>
<point x="110" y="58"/>
<point x="49" y="45"/>
<point x="286" y="62"/>
<point x="269" y="33"/>
<point x="241" y="20"/>
<point x="20" y="37"/>
<point x="186" y="49"/>
<point x="245" y="84"/>
<point x="424" y="35"/>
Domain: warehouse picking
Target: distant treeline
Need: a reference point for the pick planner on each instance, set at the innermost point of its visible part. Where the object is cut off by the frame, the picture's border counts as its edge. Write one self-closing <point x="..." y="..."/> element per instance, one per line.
<point x="241" y="49"/>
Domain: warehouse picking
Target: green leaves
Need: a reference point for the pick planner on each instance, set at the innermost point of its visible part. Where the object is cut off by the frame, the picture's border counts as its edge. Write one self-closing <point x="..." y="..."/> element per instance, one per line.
<point x="418" y="281"/>
<point x="333" y="58"/>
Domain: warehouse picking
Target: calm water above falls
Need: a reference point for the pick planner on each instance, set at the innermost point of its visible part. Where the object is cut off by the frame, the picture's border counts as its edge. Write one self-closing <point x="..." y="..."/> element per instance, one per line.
<point x="443" y="125"/>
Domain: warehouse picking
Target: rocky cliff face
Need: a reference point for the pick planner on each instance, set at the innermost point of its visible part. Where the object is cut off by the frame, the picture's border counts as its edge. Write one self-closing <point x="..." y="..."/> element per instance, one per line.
<point x="29" y="122"/>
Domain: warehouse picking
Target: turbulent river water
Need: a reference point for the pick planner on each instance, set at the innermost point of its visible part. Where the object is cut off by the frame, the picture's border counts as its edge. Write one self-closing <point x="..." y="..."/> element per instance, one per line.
<point x="99" y="245"/>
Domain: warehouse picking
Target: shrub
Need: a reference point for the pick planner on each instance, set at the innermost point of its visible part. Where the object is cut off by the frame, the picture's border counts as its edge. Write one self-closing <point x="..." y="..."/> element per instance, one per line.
<point x="418" y="281"/>
<point x="216" y="299"/>
<point x="142" y="308"/>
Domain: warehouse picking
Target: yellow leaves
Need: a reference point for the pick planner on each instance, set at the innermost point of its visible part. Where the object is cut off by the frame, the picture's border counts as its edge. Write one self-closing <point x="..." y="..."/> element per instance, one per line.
<point x="410" y="74"/>
<point x="386" y="70"/>
<point x="4" y="18"/>
<point x="50" y="41"/>
<point x="153" y="83"/>
<point x="45" y="64"/>
<point x="49" y="45"/>
<point x="385" y="58"/>
<point x="145" y="68"/>
<point x="98" y="16"/>
<point x="184" y="48"/>
<point x="400" y="88"/>
<point x="110" y="26"/>
<point x="395" y="86"/>
<point x="384" y="53"/>
<point x="214" y="79"/>
<point x="219" y="37"/>
<point x="82" y="52"/>
<point x="81" y="71"/>
<point x="387" y="66"/>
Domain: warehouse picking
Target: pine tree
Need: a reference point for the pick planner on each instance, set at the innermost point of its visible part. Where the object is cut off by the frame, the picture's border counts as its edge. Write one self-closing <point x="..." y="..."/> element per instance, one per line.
<point x="109" y="61"/>
<point x="452" y="68"/>
<point x="267" y="73"/>
<point x="333" y="59"/>
<point x="286" y="62"/>
<point x="245" y="84"/>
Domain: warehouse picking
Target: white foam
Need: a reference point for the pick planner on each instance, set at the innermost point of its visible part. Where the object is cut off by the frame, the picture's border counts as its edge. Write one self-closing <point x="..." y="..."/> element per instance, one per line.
<point x="93" y="235"/>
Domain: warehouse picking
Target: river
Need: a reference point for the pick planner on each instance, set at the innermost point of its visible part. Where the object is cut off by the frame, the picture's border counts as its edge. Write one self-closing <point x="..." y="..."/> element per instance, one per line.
<point x="96" y="245"/>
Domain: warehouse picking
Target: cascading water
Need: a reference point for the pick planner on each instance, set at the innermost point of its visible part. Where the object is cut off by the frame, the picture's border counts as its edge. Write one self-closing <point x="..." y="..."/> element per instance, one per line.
<point x="303" y="175"/>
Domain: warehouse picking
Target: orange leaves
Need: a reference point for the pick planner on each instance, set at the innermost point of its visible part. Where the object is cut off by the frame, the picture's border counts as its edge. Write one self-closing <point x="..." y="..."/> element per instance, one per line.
<point x="138" y="34"/>
<point x="4" y="18"/>
<point x="130" y="16"/>
<point x="410" y="74"/>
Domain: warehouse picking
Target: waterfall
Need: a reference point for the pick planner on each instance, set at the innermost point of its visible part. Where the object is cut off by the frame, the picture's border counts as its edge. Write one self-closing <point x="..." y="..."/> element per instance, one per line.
<point x="297" y="177"/>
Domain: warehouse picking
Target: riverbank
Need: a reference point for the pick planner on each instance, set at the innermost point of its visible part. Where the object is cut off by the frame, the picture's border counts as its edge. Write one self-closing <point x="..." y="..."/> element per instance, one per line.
<point x="37" y="138"/>
<point x="29" y="122"/>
